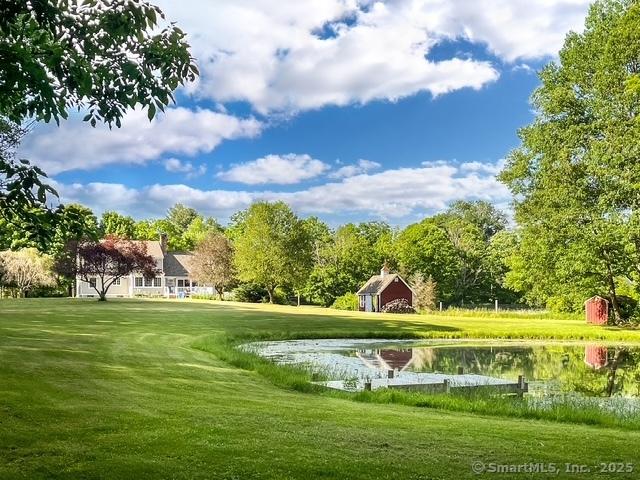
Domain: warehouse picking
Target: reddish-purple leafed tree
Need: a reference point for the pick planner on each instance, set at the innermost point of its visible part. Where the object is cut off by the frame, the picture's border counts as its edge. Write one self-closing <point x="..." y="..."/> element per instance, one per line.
<point x="110" y="259"/>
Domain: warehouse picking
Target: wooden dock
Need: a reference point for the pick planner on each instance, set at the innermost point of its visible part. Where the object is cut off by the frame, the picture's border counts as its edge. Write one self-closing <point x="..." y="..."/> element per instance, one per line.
<point x="436" y="383"/>
<point x="519" y="388"/>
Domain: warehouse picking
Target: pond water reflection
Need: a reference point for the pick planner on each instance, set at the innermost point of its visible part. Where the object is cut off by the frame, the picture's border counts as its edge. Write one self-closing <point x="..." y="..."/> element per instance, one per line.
<point x="589" y="369"/>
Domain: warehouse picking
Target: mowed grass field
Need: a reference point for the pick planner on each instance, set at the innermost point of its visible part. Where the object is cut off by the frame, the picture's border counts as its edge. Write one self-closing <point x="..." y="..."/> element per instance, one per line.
<point x="128" y="389"/>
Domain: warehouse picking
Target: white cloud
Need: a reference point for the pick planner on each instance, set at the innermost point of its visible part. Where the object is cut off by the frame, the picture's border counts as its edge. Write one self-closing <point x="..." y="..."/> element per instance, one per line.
<point x="276" y="169"/>
<point x="362" y="166"/>
<point x="272" y="55"/>
<point x="290" y="56"/>
<point x="434" y="163"/>
<point x="512" y="29"/>
<point x="75" y="145"/>
<point x="174" y="165"/>
<point x="100" y="196"/>
<point x="480" y="167"/>
<point x="394" y="194"/>
<point x="400" y="192"/>
<point x="523" y="67"/>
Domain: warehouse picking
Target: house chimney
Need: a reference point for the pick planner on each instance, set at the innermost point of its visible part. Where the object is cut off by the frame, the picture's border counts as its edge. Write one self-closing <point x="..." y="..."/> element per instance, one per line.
<point x="163" y="242"/>
<point x="385" y="270"/>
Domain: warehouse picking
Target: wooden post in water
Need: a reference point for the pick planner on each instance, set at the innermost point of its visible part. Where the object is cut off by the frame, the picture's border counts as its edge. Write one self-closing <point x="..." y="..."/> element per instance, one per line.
<point x="522" y="386"/>
<point x="447" y="386"/>
<point x="460" y="370"/>
<point x="367" y="386"/>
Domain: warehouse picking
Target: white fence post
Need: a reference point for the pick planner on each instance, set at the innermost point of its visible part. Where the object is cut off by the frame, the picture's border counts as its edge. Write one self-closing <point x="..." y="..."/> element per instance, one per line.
<point x="496" y="305"/>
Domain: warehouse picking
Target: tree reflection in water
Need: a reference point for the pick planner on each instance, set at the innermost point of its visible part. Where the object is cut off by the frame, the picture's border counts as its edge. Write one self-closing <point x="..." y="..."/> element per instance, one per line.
<point x="592" y="370"/>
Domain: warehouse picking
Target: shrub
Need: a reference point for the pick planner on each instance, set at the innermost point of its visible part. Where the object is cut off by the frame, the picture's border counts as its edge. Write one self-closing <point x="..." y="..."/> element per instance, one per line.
<point x="398" y="306"/>
<point x="628" y="307"/>
<point x="348" y="301"/>
<point x="204" y="296"/>
<point x="567" y="303"/>
<point x="254" y="293"/>
<point x="249" y="292"/>
<point x="50" y="291"/>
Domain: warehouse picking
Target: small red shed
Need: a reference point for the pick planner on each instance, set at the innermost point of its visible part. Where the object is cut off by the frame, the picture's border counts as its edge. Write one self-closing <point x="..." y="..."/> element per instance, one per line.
<point x="382" y="289"/>
<point x="597" y="310"/>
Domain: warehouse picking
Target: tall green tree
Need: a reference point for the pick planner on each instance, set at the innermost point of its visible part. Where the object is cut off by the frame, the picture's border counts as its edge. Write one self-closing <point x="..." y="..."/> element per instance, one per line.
<point x="425" y="248"/>
<point x="273" y="247"/>
<point x="114" y="223"/>
<point x="18" y="231"/>
<point x="352" y="254"/>
<point x="181" y="216"/>
<point x="480" y="213"/>
<point x="575" y="177"/>
<point x="102" y="58"/>
<point x="470" y="227"/>
<point x="70" y="222"/>
<point x="184" y="227"/>
<point x="199" y="228"/>
<point x="321" y="236"/>
<point x="23" y="191"/>
<point x="73" y="224"/>
<point x="503" y="246"/>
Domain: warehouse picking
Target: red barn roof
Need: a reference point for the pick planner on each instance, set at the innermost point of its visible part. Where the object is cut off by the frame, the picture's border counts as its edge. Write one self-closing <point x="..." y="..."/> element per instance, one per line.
<point x="376" y="284"/>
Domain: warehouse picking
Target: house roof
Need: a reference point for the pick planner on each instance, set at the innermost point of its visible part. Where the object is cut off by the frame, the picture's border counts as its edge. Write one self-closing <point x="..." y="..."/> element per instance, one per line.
<point x="399" y="359"/>
<point x="177" y="264"/>
<point x="153" y="247"/>
<point x="378" y="283"/>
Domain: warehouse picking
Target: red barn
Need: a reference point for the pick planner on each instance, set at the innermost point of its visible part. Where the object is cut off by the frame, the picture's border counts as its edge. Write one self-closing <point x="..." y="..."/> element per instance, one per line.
<point x="382" y="289"/>
<point x="597" y="310"/>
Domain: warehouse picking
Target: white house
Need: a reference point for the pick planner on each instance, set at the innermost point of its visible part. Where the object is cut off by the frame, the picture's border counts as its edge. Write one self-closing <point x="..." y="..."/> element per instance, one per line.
<point x="172" y="280"/>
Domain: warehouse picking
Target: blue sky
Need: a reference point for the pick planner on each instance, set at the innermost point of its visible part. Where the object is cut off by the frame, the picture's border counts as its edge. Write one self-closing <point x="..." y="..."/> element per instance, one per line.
<point x="346" y="109"/>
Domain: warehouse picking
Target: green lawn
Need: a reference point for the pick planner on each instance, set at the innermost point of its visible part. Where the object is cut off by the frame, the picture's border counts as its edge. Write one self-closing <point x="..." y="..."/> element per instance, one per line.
<point x="131" y="389"/>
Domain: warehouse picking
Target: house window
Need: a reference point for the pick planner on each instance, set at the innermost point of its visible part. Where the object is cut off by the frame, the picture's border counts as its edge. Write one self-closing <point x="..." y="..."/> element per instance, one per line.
<point x="93" y="281"/>
<point x="157" y="282"/>
<point x="194" y="284"/>
<point x="148" y="282"/>
<point x="116" y="282"/>
<point x="138" y="281"/>
<point x="181" y="283"/>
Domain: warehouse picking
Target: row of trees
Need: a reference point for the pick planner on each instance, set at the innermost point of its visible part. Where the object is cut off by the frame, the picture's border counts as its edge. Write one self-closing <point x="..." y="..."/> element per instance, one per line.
<point x="459" y="255"/>
<point x="74" y="228"/>
<point x="269" y="251"/>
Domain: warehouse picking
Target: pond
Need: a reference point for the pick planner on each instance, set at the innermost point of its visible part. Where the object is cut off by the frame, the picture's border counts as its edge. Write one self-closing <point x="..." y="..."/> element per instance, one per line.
<point x="550" y="368"/>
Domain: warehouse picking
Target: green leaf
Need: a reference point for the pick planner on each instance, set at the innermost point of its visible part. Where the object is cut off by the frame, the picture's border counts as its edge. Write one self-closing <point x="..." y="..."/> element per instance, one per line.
<point x="151" y="112"/>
